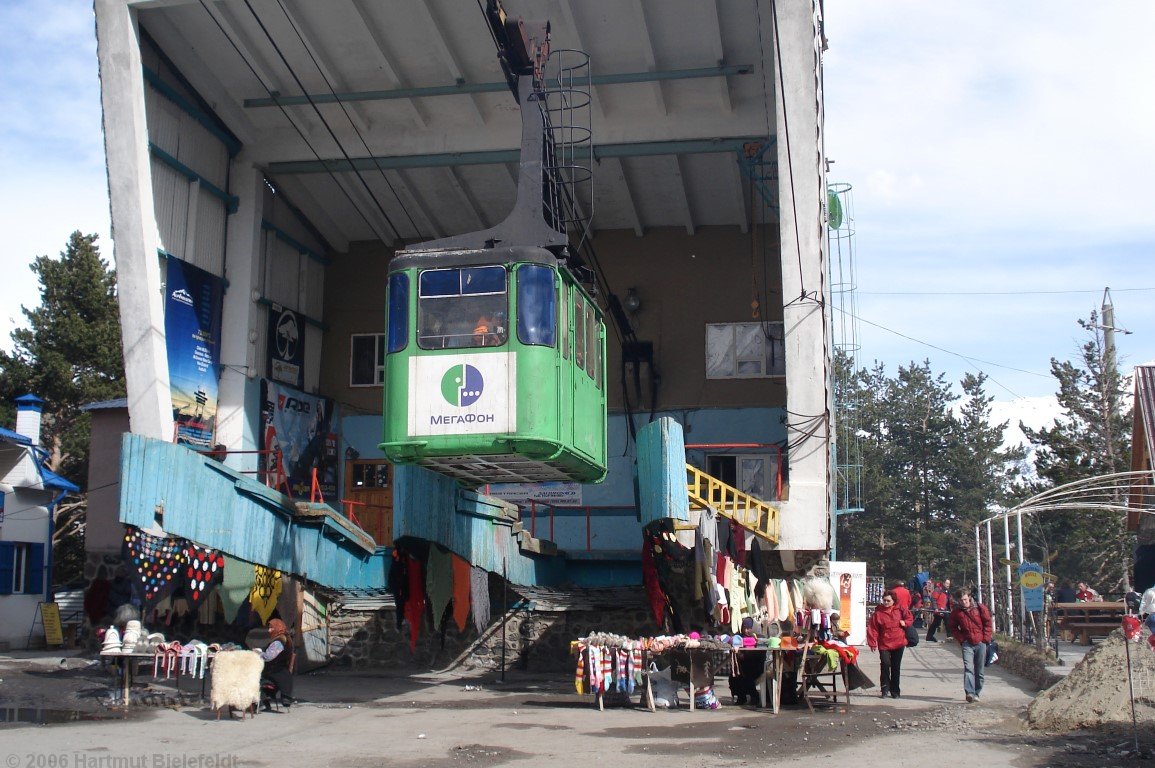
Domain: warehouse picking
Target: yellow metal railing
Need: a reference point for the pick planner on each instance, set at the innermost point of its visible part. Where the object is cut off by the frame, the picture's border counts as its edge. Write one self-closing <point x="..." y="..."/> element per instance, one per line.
<point x="749" y="512"/>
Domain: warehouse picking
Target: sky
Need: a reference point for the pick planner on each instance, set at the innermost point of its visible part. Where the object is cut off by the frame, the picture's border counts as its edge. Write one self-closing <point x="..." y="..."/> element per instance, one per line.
<point x="1000" y="157"/>
<point x="52" y="179"/>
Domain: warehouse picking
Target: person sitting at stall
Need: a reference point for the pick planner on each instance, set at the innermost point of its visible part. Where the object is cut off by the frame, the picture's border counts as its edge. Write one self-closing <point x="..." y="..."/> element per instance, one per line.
<point x="279" y="658"/>
<point x="747" y="670"/>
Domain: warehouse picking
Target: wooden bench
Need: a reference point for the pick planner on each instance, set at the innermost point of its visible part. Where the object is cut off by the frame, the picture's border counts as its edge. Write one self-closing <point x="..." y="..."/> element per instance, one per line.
<point x="1088" y="629"/>
<point x="1087" y="620"/>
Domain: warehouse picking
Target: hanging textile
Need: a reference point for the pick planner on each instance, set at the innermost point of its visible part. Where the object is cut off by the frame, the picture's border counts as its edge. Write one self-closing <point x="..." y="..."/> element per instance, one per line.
<point x="398" y="584"/>
<point x="439" y="582"/>
<point x="479" y="597"/>
<point x="235" y="588"/>
<point x="415" y="604"/>
<point x="158" y="562"/>
<point x="204" y="570"/>
<point x="654" y="593"/>
<point x="96" y="600"/>
<point x="461" y="574"/>
<point x="266" y="589"/>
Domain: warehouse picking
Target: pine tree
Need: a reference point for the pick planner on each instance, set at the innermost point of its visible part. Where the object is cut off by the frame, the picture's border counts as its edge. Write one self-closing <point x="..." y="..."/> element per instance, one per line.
<point x="70" y="353"/>
<point x="1091" y="438"/>
<point x="930" y="472"/>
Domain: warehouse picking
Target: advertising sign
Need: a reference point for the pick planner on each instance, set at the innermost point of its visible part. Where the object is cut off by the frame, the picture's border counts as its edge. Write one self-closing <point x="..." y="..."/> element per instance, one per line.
<point x="849" y="579"/>
<point x="299" y="426"/>
<point x="462" y="394"/>
<point x="286" y="346"/>
<point x="1031" y="584"/>
<point x="192" y="329"/>
<point x="557" y="493"/>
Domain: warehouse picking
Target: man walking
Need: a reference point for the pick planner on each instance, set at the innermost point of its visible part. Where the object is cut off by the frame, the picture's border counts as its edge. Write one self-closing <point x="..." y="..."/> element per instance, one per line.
<point x="970" y="623"/>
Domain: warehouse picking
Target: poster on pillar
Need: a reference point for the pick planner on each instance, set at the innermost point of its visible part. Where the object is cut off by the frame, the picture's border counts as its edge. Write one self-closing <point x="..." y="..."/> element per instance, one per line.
<point x="286" y="345"/>
<point x="192" y="329"/>
<point x="849" y="580"/>
<point x="296" y="432"/>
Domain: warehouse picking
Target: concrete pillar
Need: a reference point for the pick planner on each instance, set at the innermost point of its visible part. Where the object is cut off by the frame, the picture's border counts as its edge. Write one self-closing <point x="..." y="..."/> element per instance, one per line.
<point x="238" y="320"/>
<point x="802" y="194"/>
<point x="134" y="233"/>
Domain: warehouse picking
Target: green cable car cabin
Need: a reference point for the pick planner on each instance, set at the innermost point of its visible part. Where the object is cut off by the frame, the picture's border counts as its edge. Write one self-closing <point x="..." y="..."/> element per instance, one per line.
<point x="494" y="368"/>
<point x="494" y="364"/>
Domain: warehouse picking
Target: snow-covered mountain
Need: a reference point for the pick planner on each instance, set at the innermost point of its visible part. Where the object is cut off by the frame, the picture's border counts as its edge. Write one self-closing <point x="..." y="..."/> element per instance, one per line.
<point x="1035" y="412"/>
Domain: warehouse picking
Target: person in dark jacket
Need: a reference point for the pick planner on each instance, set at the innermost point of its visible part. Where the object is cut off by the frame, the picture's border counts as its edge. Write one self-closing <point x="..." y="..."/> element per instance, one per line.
<point x="279" y="660"/>
<point x="886" y="633"/>
<point x="750" y="666"/>
<point x="970" y="623"/>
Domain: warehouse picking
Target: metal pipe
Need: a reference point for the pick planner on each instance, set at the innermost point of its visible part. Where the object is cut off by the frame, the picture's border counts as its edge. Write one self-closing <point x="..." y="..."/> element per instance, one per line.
<point x="978" y="561"/>
<point x="990" y="564"/>
<point x="1022" y="603"/>
<point x="589" y="538"/>
<point x="1007" y="569"/>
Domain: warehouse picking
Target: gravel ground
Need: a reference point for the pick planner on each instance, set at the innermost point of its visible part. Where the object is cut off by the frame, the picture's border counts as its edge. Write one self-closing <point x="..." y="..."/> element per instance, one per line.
<point x="433" y="720"/>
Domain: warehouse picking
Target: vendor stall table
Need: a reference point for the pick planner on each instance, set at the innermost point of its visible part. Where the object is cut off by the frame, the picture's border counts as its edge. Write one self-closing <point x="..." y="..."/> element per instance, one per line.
<point x="770" y="685"/>
<point x="130" y="667"/>
<point x="695" y="667"/>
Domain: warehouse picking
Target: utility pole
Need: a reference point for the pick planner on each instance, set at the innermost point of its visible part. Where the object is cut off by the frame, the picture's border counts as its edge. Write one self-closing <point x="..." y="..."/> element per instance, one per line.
<point x="1107" y="372"/>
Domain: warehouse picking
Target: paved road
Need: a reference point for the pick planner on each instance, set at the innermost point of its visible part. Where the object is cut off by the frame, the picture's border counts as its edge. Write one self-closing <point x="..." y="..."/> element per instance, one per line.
<point x="430" y="721"/>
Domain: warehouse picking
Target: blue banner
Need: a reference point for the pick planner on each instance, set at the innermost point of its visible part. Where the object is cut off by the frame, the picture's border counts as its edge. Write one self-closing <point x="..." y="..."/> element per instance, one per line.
<point x="192" y="329"/>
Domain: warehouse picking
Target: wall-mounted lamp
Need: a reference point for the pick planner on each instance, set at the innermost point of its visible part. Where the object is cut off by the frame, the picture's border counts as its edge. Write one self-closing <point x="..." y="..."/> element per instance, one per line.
<point x="632" y="302"/>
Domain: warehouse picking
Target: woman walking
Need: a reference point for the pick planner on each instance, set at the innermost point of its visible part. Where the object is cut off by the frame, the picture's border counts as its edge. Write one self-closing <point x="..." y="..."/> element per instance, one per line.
<point x="886" y="633"/>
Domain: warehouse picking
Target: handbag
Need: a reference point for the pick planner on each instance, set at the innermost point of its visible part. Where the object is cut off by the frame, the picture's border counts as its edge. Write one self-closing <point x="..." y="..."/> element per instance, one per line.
<point x="992" y="652"/>
<point x="911" y="636"/>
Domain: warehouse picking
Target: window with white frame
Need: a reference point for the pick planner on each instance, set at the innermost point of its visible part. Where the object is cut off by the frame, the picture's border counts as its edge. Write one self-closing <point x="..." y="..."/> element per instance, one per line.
<point x="745" y="350"/>
<point x="367" y="360"/>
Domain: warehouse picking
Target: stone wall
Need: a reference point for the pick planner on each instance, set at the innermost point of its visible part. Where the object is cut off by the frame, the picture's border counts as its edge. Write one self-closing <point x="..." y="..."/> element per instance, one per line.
<point x="1027" y="661"/>
<point x="534" y="640"/>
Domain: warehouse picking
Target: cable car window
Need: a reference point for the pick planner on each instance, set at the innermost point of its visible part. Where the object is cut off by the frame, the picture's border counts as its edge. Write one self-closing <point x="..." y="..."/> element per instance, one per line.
<point x="579" y="331"/>
<point x="459" y="308"/>
<point x="598" y="346"/>
<point x="536" y="305"/>
<point x="591" y="341"/>
<point x="563" y="321"/>
<point x="398" y="312"/>
<point x="476" y="280"/>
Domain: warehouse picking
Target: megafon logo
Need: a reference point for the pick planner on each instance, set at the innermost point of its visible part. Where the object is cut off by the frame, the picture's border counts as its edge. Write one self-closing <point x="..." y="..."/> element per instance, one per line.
<point x="462" y="385"/>
<point x="183" y="296"/>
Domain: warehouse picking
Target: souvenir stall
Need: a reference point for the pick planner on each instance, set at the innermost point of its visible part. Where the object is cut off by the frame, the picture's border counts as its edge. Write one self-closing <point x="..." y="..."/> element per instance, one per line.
<point x="779" y="639"/>
<point x="182" y="603"/>
<point x="657" y="668"/>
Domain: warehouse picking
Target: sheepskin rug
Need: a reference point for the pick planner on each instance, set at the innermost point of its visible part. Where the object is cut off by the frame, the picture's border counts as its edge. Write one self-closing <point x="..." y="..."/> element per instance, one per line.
<point x="236" y="681"/>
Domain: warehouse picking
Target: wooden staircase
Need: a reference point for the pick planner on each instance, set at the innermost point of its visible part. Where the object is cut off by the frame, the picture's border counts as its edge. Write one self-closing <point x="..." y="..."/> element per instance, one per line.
<point x="753" y="514"/>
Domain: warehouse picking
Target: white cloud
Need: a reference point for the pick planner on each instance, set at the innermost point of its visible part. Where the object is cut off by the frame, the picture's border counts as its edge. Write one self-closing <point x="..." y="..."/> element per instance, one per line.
<point x="1001" y="147"/>
<point x="51" y="145"/>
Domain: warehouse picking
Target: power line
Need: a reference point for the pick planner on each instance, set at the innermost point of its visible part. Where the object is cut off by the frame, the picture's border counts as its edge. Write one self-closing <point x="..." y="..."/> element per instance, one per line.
<point x="1095" y="291"/>
<point x="300" y="133"/>
<point x="352" y="123"/>
<point x="321" y="117"/>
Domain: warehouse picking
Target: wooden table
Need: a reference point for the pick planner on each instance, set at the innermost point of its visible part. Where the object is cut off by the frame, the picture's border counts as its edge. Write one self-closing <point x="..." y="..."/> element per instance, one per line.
<point x="692" y="666"/>
<point x="131" y="662"/>
<point x="770" y="687"/>
<point x="1089" y="618"/>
